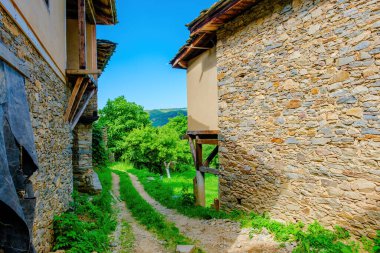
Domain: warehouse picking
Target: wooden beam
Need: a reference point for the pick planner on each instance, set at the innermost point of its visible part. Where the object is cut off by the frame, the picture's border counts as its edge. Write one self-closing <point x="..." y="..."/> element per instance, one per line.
<point x="209" y="170"/>
<point x="188" y="49"/>
<point x="200" y="176"/>
<point x="192" y="149"/>
<point x="203" y="132"/>
<point x="82" y="33"/>
<point x="207" y="141"/>
<point x="81" y="110"/>
<point x="83" y="71"/>
<point x="12" y="60"/>
<point x="212" y="155"/>
<point x="90" y="6"/>
<point x="73" y="96"/>
<point x="82" y="90"/>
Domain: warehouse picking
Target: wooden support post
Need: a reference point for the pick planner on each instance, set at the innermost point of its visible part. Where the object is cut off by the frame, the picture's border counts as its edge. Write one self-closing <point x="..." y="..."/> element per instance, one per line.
<point x="82" y="33"/>
<point x="73" y="97"/>
<point x="82" y="90"/>
<point x="200" y="177"/>
<point x="81" y="110"/>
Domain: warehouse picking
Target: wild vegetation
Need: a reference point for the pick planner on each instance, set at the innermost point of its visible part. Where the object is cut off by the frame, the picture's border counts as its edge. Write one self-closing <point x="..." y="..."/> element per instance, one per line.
<point x="175" y="193"/>
<point x="88" y="223"/>
<point x="145" y="151"/>
<point x="146" y="215"/>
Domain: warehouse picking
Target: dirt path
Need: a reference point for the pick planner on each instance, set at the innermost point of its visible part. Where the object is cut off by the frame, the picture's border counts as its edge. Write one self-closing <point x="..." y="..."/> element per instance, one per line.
<point x="215" y="236"/>
<point x="144" y="241"/>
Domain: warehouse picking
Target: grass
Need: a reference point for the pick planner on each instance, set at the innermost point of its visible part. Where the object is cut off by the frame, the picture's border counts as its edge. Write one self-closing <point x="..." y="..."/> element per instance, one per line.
<point x="127" y="238"/>
<point x="146" y="215"/>
<point x="175" y="193"/>
<point x="89" y="222"/>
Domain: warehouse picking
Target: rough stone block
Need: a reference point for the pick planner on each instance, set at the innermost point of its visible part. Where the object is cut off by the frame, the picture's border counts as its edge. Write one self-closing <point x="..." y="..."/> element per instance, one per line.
<point x="185" y="249"/>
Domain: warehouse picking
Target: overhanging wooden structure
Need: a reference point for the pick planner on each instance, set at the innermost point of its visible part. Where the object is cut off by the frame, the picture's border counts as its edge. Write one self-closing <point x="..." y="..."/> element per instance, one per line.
<point x="203" y="29"/>
<point x="196" y="140"/>
<point x="84" y="80"/>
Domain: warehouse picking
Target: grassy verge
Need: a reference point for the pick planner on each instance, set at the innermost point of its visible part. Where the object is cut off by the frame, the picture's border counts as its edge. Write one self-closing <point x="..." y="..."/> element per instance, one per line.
<point x="88" y="223"/>
<point x="127" y="238"/>
<point x="176" y="193"/>
<point x="146" y="215"/>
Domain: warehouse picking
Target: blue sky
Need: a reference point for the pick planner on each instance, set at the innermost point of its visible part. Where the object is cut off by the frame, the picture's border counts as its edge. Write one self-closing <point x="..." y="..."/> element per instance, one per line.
<point x="149" y="34"/>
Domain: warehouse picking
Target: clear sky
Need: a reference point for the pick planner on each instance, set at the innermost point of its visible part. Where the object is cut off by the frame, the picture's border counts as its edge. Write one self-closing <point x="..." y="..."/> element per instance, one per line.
<point x="149" y="34"/>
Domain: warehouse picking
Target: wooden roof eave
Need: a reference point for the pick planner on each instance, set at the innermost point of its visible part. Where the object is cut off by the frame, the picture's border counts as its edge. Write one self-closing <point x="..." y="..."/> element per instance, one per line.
<point x="208" y="23"/>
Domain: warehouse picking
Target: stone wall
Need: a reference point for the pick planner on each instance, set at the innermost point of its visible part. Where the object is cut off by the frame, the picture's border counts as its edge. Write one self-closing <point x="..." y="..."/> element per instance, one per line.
<point x="48" y="96"/>
<point x="299" y="112"/>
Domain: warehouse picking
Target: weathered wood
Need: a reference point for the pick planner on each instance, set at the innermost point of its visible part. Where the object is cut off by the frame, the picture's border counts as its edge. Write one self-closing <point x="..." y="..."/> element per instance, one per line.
<point x="91" y="13"/>
<point x="12" y="60"/>
<point x="209" y="170"/>
<point x="81" y="92"/>
<point x="212" y="155"/>
<point x="208" y="141"/>
<point x="83" y="71"/>
<point x="201" y="200"/>
<point x="217" y="204"/>
<point x="82" y="33"/>
<point x="203" y="132"/>
<point x="192" y="149"/>
<point x="81" y="110"/>
<point x="73" y="97"/>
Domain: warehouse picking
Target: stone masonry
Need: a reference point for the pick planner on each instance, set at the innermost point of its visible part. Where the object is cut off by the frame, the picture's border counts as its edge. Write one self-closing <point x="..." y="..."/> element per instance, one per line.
<point x="48" y="97"/>
<point x="299" y="112"/>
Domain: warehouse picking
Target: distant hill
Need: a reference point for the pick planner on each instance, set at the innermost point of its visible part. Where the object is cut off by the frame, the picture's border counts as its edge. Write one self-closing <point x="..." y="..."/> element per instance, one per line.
<point x="160" y="117"/>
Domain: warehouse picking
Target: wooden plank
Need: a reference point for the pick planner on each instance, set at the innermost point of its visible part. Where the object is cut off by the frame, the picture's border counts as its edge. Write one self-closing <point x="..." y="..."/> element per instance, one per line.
<point x="203" y="132"/>
<point x="212" y="155"/>
<point x="73" y="96"/>
<point x="82" y="90"/>
<point x="201" y="200"/>
<point x="209" y="170"/>
<point x="83" y="71"/>
<point x="207" y="141"/>
<point x="81" y="110"/>
<point x="82" y="33"/>
<point x="192" y="149"/>
<point x="12" y="60"/>
<point x="91" y="13"/>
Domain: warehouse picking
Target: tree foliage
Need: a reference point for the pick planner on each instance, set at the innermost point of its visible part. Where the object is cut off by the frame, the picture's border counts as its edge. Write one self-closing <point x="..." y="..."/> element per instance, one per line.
<point x="99" y="151"/>
<point x="121" y="117"/>
<point x="150" y="147"/>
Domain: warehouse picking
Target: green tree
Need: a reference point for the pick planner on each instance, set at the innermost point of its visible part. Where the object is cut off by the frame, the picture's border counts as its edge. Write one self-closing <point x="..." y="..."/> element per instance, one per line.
<point x="99" y="151"/>
<point x="121" y="117"/>
<point x="154" y="148"/>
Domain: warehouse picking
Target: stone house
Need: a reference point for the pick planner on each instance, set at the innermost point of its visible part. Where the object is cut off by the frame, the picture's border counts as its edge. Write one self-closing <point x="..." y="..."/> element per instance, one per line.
<point x="298" y="106"/>
<point x="50" y="61"/>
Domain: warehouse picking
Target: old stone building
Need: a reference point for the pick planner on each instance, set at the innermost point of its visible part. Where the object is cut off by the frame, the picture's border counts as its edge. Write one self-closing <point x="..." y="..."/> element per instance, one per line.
<point x="57" y="73"/>
<point x="298" y="101"/>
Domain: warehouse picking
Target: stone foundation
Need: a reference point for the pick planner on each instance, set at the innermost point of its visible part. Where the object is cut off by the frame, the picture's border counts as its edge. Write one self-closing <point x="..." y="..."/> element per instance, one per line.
<point x="299" y="112"/>
<point x="85" y="179"/>
<point x="48" y="97"/>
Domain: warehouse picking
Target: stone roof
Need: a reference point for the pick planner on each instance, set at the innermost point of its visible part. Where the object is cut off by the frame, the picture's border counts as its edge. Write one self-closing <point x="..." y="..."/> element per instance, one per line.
<point x="106" y="49"/>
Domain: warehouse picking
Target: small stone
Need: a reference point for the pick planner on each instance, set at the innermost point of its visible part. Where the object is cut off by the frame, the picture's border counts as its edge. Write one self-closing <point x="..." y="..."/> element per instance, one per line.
<point x="293" y="104"/>
<point x="360" y="90"/>
<point x="356" y="112"/>
<point x="291" y="141"/>
<point x="364" y="185"/>
<point x="185" y="249"/>
<point x="364" y="55"/>
<point x="362" y="45"/>
<point x="320" y="141"/>
<point x="340" y="76"/>
<point x="277" y="140"/>
<point x="314" y="91"/>
<point x="313" y="29"/>
<point x="291" y="85"/>
<point x="347" y="100"/>
<point x="345" y="60"/>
